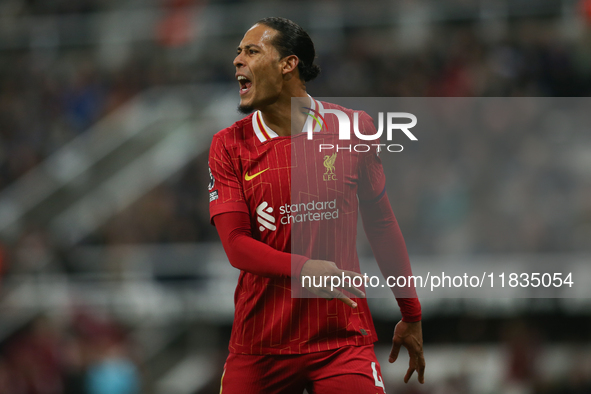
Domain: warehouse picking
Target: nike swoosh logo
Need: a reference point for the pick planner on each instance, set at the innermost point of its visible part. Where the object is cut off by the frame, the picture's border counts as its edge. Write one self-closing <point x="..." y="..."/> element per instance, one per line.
<point x="250" y="177"/>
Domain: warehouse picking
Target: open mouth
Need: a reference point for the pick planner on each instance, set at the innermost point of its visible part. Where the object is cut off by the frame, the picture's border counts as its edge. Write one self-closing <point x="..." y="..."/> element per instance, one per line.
<point x="245" y="84"/>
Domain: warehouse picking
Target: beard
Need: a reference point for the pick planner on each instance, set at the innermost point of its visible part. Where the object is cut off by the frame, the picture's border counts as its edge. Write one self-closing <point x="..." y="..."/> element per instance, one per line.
<point x="245" y="109"/>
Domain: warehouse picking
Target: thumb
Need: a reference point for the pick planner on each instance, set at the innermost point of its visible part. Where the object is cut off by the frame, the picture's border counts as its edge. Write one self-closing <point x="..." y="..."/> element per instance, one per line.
<point x="396" y="343"/>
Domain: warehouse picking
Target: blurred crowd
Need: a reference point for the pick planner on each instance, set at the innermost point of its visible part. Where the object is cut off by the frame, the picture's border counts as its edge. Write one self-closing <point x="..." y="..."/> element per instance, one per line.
<point x="46" y="102"/>
<point x="46" y="99"/>
<point x="84" y="354"/>
<point x="524" y="348"/>
<point x="464" y="193"/>
<point x="49" y="97"/>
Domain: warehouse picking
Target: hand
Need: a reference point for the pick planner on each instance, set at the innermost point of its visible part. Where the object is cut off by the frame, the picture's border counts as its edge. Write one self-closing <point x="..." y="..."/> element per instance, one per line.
<point x="322" y="268"/>
<point x="409" y="335"/>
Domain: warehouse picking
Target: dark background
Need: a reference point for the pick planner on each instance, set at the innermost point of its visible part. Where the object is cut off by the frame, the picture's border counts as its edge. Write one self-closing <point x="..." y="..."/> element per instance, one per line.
<point x="113" y="280"/>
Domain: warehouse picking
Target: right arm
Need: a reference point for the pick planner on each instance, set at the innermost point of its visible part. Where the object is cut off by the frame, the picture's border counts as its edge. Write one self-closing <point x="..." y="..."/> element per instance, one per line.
<point x="250" y="255"/>
<point x="230" y="214"/>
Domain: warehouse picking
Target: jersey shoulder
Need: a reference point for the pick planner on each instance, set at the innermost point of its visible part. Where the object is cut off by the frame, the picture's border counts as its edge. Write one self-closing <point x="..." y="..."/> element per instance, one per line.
<point x="238" y="134"/>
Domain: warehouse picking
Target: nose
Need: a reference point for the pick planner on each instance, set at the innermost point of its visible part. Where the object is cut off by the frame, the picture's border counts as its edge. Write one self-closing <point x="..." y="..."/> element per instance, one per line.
<point x="238" y="62"/>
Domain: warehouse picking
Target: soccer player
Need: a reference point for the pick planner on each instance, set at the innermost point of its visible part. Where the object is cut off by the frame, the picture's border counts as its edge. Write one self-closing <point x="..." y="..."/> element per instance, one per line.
<point x="279" y="343"/>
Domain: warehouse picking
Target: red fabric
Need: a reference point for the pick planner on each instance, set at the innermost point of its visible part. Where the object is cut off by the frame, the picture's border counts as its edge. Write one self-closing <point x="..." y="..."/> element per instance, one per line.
<point x="347" y="370"/>
<point x="389" y="249"/>
<point x="248" y="254"/>
<point x="2" y="261"/>
<point x="585" y="6"/>
<point x="274" y="197"/>
<point x="381" y="227"/>
<point x="253" y="175"/>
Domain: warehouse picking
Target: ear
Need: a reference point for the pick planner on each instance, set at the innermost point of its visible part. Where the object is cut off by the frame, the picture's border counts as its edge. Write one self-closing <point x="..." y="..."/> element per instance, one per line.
<point x="289" y="64"/>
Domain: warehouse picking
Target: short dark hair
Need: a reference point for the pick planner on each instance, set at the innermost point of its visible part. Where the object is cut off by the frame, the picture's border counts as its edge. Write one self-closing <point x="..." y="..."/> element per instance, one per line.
<point x="291" y="39"/>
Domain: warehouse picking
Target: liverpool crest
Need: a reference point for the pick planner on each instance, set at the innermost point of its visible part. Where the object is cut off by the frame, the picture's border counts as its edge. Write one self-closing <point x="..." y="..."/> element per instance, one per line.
<point x="329" y="174"/>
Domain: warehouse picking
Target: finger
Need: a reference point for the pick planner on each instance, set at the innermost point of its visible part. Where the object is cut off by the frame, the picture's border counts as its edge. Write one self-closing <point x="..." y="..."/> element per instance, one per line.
<point x="351" y="274"/>
<point x="395" y="350"/>
<point x="348" y="301"/>
<point x="341" y="297"/>
<point x="355" y="291"/>
<point x="408" y="374"/>
<point x="421" y="369"/>
<point x="348" y="284"/>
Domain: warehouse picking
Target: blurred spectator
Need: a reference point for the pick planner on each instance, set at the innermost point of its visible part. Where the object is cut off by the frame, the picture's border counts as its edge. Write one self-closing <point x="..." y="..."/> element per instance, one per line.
<point x="34" y="359"/>
<point x="459" y="195"/>
<point x="3" y="261"/>
<point x="112" y="373"/>
<point x="447" y="197"/>
<point x="82" y="355"/>
<point x="524" y="347"/>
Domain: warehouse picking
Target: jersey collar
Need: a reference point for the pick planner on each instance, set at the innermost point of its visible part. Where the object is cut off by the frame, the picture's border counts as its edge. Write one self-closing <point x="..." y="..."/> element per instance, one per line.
<point x="265" y="133"/>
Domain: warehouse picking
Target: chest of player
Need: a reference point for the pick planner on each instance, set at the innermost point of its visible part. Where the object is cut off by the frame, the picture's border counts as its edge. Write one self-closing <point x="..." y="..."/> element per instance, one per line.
<point x="286" y="176"/>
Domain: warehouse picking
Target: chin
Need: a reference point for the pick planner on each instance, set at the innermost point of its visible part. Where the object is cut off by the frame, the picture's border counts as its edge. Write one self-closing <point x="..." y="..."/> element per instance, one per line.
<point x="247" y="105"/>
<point x="245" y="108"/>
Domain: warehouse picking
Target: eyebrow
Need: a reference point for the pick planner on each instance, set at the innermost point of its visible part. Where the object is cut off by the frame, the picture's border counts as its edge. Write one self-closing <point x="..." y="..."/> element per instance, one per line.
<point x="248" y="46"/>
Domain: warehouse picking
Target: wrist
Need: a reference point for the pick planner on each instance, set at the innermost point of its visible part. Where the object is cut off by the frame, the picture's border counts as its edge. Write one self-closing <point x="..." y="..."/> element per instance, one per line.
<point x="412" y="319"/>
<point x="297" y="264"/>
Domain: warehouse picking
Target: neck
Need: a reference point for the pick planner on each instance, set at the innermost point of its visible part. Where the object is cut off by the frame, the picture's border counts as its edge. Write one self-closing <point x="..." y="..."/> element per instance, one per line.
<point x="278" y="115"/>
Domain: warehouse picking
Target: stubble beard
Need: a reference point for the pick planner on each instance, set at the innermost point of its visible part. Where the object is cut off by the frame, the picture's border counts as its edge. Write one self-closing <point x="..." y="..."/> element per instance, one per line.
<point x="245" y="109"/>
<point x="256" y="104"/>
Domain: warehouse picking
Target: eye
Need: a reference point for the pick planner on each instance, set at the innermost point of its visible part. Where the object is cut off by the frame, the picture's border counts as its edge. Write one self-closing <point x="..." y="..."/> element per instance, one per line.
<point x="252" y="51"/>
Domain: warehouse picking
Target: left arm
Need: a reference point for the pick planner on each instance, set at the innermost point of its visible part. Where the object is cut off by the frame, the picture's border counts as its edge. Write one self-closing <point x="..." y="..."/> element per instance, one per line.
<point x="390" y="252"/>
<point x="389" y="249"/>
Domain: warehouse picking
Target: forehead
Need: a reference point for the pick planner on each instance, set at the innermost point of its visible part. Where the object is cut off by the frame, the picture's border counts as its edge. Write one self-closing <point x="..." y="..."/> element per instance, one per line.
<point x="260" y="35"/>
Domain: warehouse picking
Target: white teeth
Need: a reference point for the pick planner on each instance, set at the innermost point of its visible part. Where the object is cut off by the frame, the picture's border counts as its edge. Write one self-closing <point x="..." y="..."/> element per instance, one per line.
<point x="242" y="78"/>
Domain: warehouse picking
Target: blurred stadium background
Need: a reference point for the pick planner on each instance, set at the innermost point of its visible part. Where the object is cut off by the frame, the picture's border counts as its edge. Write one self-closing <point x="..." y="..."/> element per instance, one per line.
<point x="113" y="281"/>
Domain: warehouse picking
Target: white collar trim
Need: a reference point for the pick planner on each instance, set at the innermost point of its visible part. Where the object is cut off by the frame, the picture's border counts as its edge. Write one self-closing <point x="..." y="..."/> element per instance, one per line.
<point x="265" y="133"/>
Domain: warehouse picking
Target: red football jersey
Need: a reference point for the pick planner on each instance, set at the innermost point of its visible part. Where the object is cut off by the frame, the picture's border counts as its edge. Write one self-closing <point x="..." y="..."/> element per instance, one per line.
<point x="300" y="201"/>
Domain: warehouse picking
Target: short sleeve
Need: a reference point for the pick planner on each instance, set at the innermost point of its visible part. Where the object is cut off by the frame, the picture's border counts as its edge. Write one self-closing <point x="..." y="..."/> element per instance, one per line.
<point x="225" y="188"/>
<point x="371" y="181"/>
